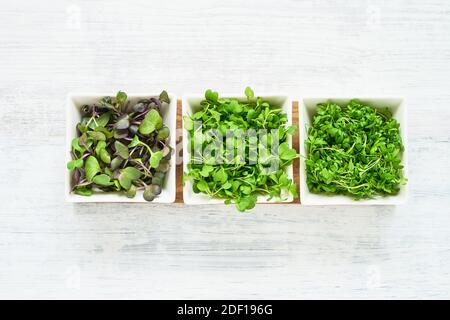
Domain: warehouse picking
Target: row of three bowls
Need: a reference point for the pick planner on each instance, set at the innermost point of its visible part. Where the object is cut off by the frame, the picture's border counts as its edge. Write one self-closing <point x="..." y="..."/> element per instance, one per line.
<point x="191" y="104"/>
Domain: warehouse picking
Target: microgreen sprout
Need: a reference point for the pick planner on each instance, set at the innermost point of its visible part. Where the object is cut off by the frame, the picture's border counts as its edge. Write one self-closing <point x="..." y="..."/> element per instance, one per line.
<point x="255" y="164"/>
<point x="355" y="150"/>
<point x="121" y="147"/>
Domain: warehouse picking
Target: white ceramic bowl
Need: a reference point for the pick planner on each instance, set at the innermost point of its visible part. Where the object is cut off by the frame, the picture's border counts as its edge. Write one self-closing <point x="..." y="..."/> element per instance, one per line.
<point x="190" y="105"/>
<point x="73" y="116"/>
<point x="307" y="110"/>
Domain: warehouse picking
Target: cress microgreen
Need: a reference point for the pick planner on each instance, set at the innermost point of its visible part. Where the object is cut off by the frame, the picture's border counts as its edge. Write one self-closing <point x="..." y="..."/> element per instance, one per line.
<point x="121" y="147"/>
<point x="355" y="150"/>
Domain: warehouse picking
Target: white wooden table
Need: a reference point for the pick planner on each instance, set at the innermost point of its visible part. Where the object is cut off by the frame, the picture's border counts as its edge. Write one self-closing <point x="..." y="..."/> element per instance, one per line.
<point x="51" y="249"/>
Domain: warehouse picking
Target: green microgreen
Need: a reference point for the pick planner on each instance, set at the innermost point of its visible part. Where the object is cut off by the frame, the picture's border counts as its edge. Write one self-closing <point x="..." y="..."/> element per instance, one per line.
<point x="121" y="147"/>
<point x="249" y="174"/>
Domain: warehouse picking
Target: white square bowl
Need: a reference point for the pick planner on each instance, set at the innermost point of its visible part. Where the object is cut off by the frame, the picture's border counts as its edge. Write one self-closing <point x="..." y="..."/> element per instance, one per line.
<point x="307" y="110"/>
<point x="190" y="105"/>
<point x="73" y="116"/>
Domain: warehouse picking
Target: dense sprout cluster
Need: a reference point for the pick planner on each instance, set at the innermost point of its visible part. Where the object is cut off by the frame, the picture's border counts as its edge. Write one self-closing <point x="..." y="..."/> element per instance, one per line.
<point x="121" y="147"/>
<point x="354" y="150"/>
<point x="243" y="179"/>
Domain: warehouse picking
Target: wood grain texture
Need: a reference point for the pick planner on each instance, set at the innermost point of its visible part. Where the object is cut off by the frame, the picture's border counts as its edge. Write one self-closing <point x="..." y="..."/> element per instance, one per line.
<point x="52" y="249"/>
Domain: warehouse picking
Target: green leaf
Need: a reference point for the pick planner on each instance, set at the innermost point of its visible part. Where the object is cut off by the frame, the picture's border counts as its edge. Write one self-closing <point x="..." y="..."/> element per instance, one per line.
<point x="235" y="185"/>
<point x="121" y="97"/>
<point x="134" y="142"/>
<point x="291" y="130"/>
<point x="116" y="162"/>
<point x="102" y="180"/>
<point x="122" y="123"/>
<point x="235" y="106"/>
<point x="206" y="170"/>
<point x="103" y="120"/>
<point x="226" y="185"/>
<point x="215" y="115"/>
<point x="151" y="122"/>
<point x="132" y="173"/>
<point x="249" y="93"/>
<point x="246" y="189"/>
<point x="100" y="145"/>
<point x="76" y="146"/>
<point x="241" y="181"/>
<point x="285" y="152"/>
<point x="350" y="165"/>
<point x="131" y="192"/>
<point x="164" y="97"/>
<point x="97" y="143"/>
<point x="121" y="150"/>
<point x="106" y="102"/>
<point x="220" y="176"/>
<point x="104" y="156"/>
<point x="155" y="159"/>
<point x="163" y="133"/>
<point x="83" y="141"/>
<point x="92" y="167"/>
<point x="198" y="115"/>
<point x="82" y="127"/>
<point x="353" y="149"/>
<point x="148" y="194"/>
<point x="96" y="135"/>
<point x="202" y="186"/>
<point x="246" y="203"/>
<point x="77" y="163"/>
<point x="127" y="176"/>
<point x="326" y="175"/>
<point x="125" y="182"/>
<point x="284" y="180"/>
